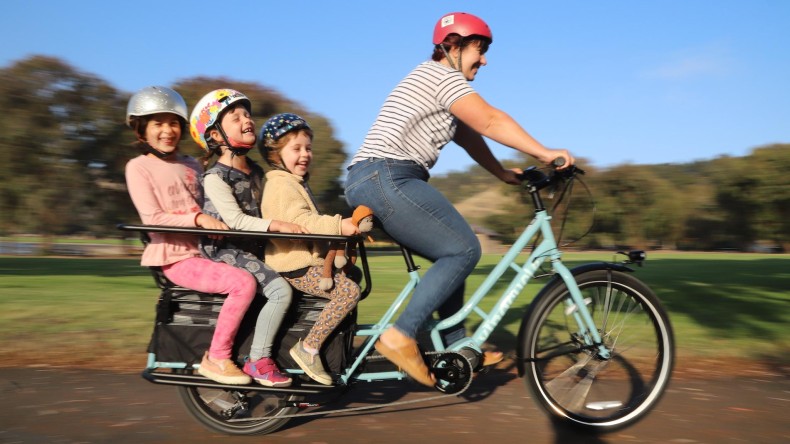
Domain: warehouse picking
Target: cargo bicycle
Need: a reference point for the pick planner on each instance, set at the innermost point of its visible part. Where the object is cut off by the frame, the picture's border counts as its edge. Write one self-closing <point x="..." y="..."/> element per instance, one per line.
<point x="595" y="346"/>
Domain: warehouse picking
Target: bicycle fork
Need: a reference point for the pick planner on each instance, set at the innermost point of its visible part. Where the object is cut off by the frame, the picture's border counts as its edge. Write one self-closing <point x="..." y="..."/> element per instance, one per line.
<point x="576" y="306"/>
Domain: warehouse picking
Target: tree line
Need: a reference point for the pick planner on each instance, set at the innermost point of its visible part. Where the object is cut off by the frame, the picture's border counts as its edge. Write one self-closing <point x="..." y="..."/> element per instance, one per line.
<point x="727" y="203"/>
<point x="64" y="144"/>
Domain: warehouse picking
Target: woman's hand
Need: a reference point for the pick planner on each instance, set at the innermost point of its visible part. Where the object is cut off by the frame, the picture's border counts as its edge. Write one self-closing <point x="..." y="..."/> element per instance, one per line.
<point x="287" y="227"/>
<point x="550" y="155"/>
<point x="510" y="176"/>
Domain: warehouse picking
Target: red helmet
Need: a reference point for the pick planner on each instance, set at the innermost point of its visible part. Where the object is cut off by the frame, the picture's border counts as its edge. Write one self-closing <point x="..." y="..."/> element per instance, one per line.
<point x="462" y="24"/>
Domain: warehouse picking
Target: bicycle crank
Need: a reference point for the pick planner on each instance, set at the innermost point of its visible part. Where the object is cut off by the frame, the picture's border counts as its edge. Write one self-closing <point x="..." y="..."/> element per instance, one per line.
<point x="453" y="372"/>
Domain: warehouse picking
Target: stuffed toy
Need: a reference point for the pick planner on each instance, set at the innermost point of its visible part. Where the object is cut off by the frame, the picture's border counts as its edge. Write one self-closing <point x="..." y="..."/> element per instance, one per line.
<point x="340" y="255"/>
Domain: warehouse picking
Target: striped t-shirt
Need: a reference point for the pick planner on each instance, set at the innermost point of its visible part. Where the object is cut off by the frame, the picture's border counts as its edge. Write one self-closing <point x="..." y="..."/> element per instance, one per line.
<point x="415" y="122"/>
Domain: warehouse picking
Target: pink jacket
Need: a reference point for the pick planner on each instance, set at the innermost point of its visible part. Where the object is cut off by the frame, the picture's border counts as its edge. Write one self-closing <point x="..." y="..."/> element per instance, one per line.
<point x="166" y="193"/>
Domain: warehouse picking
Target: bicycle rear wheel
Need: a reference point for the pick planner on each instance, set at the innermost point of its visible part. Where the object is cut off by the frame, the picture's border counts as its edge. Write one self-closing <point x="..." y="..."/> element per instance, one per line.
<point x="238" y="412"/>
<point x="571" y="380"/>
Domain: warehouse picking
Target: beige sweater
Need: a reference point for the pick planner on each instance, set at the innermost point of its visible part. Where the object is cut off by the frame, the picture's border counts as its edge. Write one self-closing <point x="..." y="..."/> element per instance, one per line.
<point x="286" y="197"/>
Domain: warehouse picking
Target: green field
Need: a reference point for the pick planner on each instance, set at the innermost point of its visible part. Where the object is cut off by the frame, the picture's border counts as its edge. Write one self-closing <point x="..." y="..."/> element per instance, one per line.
<point x="99" y="312"/>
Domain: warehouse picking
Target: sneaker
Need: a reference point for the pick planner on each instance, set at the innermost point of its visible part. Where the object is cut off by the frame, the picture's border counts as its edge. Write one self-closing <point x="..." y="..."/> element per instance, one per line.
<point x="223" y="371"/>
<point x="311" y="364"/>
<point x="265" y="372"/>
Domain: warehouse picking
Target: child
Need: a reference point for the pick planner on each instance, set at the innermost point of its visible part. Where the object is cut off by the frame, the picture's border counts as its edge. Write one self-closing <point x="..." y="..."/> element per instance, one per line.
<point x="221" y="124"/>
<point x="164" y="186"/>
<point x="286" y="145"/>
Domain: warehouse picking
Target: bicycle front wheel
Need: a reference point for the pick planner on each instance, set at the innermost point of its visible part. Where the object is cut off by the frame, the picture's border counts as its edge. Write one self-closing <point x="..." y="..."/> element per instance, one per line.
<point x="571" y="379"/>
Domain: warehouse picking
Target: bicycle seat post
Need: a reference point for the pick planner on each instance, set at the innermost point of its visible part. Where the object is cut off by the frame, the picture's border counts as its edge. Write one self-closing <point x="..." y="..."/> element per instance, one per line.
<point x="407" y="257"/>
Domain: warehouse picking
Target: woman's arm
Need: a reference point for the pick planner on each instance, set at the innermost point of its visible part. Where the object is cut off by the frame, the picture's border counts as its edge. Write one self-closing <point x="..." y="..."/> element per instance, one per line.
<point x="480" y="117"/>
<point x="478" y="150"/>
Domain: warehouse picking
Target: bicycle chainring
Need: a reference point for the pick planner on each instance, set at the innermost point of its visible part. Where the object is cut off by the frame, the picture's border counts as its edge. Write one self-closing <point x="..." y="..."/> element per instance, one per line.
<point x="452" y="370"/>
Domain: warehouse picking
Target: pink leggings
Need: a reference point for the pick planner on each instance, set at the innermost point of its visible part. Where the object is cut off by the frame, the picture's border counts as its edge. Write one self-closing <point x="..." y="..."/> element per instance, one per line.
<point x="207" y="276"/>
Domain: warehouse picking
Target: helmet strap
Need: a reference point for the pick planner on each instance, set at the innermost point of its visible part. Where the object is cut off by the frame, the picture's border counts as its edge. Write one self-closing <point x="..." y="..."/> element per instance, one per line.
<point x="450" y="60"/>
<point x="149" y="149"/>
<point x="275" y="165"/>
<point x="279" y="166"/>
<point x="238" y="149"/>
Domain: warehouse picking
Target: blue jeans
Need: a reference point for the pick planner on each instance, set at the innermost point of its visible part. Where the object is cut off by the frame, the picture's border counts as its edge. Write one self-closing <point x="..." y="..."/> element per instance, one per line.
<point x="420" y="218"/>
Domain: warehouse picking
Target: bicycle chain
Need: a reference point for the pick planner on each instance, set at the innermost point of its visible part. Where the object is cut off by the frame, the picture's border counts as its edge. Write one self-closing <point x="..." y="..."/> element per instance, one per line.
<point x="378" y="406"/>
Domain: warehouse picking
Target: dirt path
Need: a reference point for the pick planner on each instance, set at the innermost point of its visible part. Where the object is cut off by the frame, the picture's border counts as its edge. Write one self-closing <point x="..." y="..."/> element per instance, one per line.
<point x="47" y="405"/>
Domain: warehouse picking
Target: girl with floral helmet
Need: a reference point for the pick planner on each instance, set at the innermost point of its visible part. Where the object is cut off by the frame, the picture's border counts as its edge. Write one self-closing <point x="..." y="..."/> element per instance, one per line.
<point x="221" y="123"/>
<point x="431" y="106"/>
<point x="165" y="189"/>
<point x="286" y="145"/>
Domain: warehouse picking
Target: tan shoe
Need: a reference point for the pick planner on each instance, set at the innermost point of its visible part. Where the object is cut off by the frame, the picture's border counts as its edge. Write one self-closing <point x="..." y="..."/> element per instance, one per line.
<point x="223" y="371"/>
<point x="311" y="364"/>
<point x="408" y="358"/>
<point x="492" y="357"/>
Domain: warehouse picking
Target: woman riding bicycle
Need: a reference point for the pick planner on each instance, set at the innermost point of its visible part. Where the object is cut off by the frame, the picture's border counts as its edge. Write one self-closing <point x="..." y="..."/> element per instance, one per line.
<point x="431" y="106"/>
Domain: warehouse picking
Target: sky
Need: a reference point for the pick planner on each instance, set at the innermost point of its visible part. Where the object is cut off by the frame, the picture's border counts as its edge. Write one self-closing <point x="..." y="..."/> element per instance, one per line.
<point x="614" y="82"/>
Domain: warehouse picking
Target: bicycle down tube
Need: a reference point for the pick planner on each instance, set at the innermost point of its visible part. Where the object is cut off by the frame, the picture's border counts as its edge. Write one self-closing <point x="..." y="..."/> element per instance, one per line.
<point x="546" y="249"/>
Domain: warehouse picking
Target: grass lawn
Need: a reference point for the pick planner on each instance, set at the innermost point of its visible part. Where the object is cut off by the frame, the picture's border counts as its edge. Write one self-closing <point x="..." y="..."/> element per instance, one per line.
<point x="99" y="312"/>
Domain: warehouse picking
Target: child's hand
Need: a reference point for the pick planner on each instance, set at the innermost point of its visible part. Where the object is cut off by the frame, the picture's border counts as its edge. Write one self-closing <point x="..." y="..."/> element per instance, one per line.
<point x="210" y="223"/>
<point x="348" y="228"/>
<point x="287" y="227"/>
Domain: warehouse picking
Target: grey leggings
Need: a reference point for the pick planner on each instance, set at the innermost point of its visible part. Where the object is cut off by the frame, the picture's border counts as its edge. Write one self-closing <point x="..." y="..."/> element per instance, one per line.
<point x="278" y="298"/>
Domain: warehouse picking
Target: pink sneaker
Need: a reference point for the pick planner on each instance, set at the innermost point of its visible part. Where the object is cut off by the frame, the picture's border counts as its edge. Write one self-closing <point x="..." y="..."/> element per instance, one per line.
<point x="265" y="372"/>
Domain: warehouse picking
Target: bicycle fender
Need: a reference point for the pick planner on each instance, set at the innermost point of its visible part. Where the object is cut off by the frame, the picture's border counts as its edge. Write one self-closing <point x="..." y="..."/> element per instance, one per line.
<point x="557" y="280"/>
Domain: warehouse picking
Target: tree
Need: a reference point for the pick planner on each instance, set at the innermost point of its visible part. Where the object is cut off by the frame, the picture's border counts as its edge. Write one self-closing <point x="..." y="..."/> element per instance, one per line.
<point x="63" y="136"/>
<point x="754" y="193"/>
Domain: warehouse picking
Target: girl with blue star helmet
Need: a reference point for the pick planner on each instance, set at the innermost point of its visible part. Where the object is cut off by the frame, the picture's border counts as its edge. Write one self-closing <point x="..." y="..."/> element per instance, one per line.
<point x="287" y="145"/>
<point x="271" y="140"/>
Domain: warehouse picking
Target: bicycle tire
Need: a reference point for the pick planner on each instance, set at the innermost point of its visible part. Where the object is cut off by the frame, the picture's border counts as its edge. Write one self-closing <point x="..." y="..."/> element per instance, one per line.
<point x="221" y="410"/>
<point x="573" y="382"/>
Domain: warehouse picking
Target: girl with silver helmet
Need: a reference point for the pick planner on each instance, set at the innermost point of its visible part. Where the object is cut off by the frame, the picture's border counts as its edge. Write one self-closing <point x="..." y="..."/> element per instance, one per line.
<point x="166" y="108"/>
<point x="221" y="123"/>
<point x="287" y="145"/>
<point x="165" y="189"/>
<point x="431" y="106"/>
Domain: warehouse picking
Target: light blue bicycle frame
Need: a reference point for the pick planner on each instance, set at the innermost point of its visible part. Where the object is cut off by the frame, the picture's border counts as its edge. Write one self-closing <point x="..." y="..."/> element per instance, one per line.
<point x="546" y="249"/>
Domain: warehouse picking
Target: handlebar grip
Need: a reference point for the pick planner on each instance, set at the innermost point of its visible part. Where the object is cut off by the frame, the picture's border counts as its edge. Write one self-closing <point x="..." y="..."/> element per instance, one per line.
<point x="558" y="162"/>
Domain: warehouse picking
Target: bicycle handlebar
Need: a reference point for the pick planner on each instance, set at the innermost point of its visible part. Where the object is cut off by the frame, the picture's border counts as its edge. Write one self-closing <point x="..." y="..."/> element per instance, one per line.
<point x="532" y="177"/>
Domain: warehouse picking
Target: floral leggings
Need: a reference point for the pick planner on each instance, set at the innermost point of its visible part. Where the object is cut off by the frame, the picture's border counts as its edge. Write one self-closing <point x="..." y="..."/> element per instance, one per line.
<point x="343" y="297"/>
